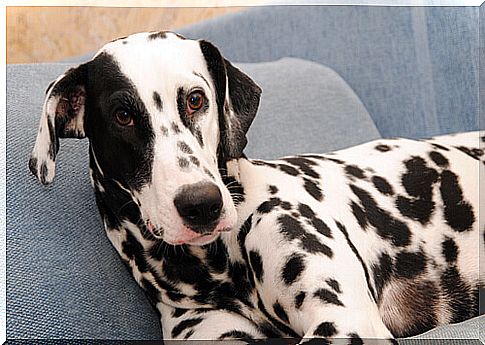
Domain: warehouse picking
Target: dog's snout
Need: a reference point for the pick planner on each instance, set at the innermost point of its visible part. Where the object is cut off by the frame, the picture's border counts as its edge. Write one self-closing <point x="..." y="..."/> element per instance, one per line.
<point x="199" y="205"/>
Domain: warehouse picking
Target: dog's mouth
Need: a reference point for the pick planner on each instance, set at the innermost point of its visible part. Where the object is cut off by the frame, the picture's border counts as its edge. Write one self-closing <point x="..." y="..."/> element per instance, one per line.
<point x="188" y="235"/>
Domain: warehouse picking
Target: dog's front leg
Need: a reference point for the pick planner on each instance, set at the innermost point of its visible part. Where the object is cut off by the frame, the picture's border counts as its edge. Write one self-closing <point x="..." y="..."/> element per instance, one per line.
<point x="207" y="324"/>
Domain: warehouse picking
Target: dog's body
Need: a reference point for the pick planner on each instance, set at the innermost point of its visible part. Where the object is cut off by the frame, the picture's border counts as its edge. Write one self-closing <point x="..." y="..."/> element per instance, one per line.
<point x="376" y="241"/>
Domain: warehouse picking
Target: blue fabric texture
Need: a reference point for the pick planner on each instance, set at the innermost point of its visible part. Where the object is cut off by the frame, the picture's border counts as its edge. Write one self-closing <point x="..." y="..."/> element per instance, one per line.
<point x="64" y="280"/>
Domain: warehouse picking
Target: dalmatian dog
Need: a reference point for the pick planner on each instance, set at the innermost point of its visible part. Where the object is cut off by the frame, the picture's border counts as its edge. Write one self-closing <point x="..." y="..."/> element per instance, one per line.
<point x="377" y="241"/>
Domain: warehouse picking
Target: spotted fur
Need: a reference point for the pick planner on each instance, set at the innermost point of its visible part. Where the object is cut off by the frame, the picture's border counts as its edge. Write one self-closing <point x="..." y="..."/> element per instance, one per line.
<point x="380" y="240"/>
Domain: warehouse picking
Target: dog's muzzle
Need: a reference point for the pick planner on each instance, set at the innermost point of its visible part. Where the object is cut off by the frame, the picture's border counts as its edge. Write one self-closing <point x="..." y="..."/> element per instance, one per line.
<point x="200" y="206"/>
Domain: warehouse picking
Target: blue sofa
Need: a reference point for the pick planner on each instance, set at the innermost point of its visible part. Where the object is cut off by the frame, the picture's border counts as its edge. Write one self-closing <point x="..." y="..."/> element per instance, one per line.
<point x="332" y="77"/>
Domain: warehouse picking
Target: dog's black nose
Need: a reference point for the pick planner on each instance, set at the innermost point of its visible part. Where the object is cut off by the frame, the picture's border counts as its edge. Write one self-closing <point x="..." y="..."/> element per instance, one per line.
<point x="199" y="205"/>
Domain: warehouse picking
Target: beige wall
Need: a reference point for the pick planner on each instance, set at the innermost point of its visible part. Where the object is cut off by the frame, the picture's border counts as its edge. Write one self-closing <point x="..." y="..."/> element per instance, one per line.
<point x="43" y="34"/>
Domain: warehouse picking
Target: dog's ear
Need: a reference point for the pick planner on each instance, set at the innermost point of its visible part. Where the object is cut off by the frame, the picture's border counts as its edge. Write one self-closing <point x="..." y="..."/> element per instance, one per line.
<point x="62" y="117"/>
<point x="237" y="102"/>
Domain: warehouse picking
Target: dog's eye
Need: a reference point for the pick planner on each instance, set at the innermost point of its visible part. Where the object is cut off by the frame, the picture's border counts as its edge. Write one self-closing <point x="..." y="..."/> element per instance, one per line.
<point x="124" y="117"/>
<point x="195" y="101"/>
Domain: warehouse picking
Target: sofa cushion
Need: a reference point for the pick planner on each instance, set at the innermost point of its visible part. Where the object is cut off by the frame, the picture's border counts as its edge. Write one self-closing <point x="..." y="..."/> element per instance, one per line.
<point x="64" y="278"/>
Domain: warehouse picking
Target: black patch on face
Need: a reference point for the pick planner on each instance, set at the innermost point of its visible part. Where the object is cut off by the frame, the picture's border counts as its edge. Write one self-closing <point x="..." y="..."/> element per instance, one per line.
<point x="185" y="324"/>
<point x="292" y="229"/>
<point x="182" y="145"/>
<point x="158" y="101"/>
<point x="273" y="189"/>
<point x="299" y="299"/>
<point x="418" y="182"/>
<point x="354" y="171"/>
<point x="439" y="159"/>
<point x="385" y="224"/>
<point x="280" y="312"/>
<point x="409" y="265"/>
<point x="449" y="250"/>
<point x="325" y="329"/>
<point x="470" y="151"/>
<point x="235" y="334"/>
<point x="359" y="214"/>
<point x="183" y="162"/>
<point x="357" y="254"/>
<point x="256" y="265"/>
<point x="327" y="296"/>
<point x="313" y="189"/>
<point x="383" y="148"/>
<point x="382" y="272"/>
<point x="334" y="285"/>
<point x="194" y="160"/>
<point x="288" y="169"/>
<point x="176" y="128"/>
<point x="293" y="269"/>
<point x="157" y="35"/>
<point x="269" y="205"/>
<point x="382" y="185"/>
<point x="304" y="164"/>
<point x="124" y="153"/>
<point x="460" y="295"/>
<point x="458" y="212"/>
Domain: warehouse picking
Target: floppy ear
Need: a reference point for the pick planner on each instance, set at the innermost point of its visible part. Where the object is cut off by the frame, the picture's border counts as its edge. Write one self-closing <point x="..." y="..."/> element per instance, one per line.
<point x="62" y="117"/>
<point x="237" y="102"/>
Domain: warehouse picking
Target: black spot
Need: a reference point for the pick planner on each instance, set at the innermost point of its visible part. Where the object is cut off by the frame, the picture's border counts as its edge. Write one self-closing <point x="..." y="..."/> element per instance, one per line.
<point x="334" y="285"/>
<point x="288" y="169"/>
<point x="208" y="173"/>
<point x="185" y="324"/>
<point x="439" y="159"/>
<point x="382" y="272"/>
<point x="382" y="185"/>
<point x="235" y="334"/>
<point x="313" y="189"/>
<point x="216" y="256"/>
<point x="33" y="165"/>
<point x="306" y="211"/>
<point x="278" y="327"/>
<point x="459" y="295"/>
<point x="458" y="212"/>
<point x="383" y="148"/>
<point x="198" y="135"/>
<point x="280" y="312"/>
<point x="292" y="229"/>
<point x="357" y="254"/>
<point x="440" y="147"/>
<point x="304" y="164"/>
<point x="409" y="264"/>
<point x="355" y="339"/>
<point x="325" y="329"/>
<point x="269" y="205"/>
<point x="124" y="42"/>
<point x="43" y="173"/>
<point x="151" y="291"/>
<point x="472" y="152"/>
<point x="176" y="128"/>
<point x="264" y="163"/>
<point x="418" y="182"/>
<point x="321" y="227"/>
<point x="194" y="160"/>
<point x="273" y="189"/>
<point x="299" y="299"/>
<point x="449" y="250"/>
<point x="268" y="330"/>
<point x="164" y="131"/>
<point x="183" y="162"/>
<point x="178" y="312"/>
<point x="135" y="251"/>
<point x="285" y="205"/>
<point x="158" y="101"/>
<point x="293" y="269"/>
<point x="386" y="225"/>
<point x="182" y="145"/>
<point x="327" y="296"/>
<point x="354" y="171"/>
<point x="157" y="35"/>
<point x="256" y="265"/>
<point x="359" y="214"/>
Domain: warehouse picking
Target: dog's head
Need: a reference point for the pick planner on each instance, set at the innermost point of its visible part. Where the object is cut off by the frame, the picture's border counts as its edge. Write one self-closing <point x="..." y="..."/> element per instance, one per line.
<point x="162" y="114"/>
